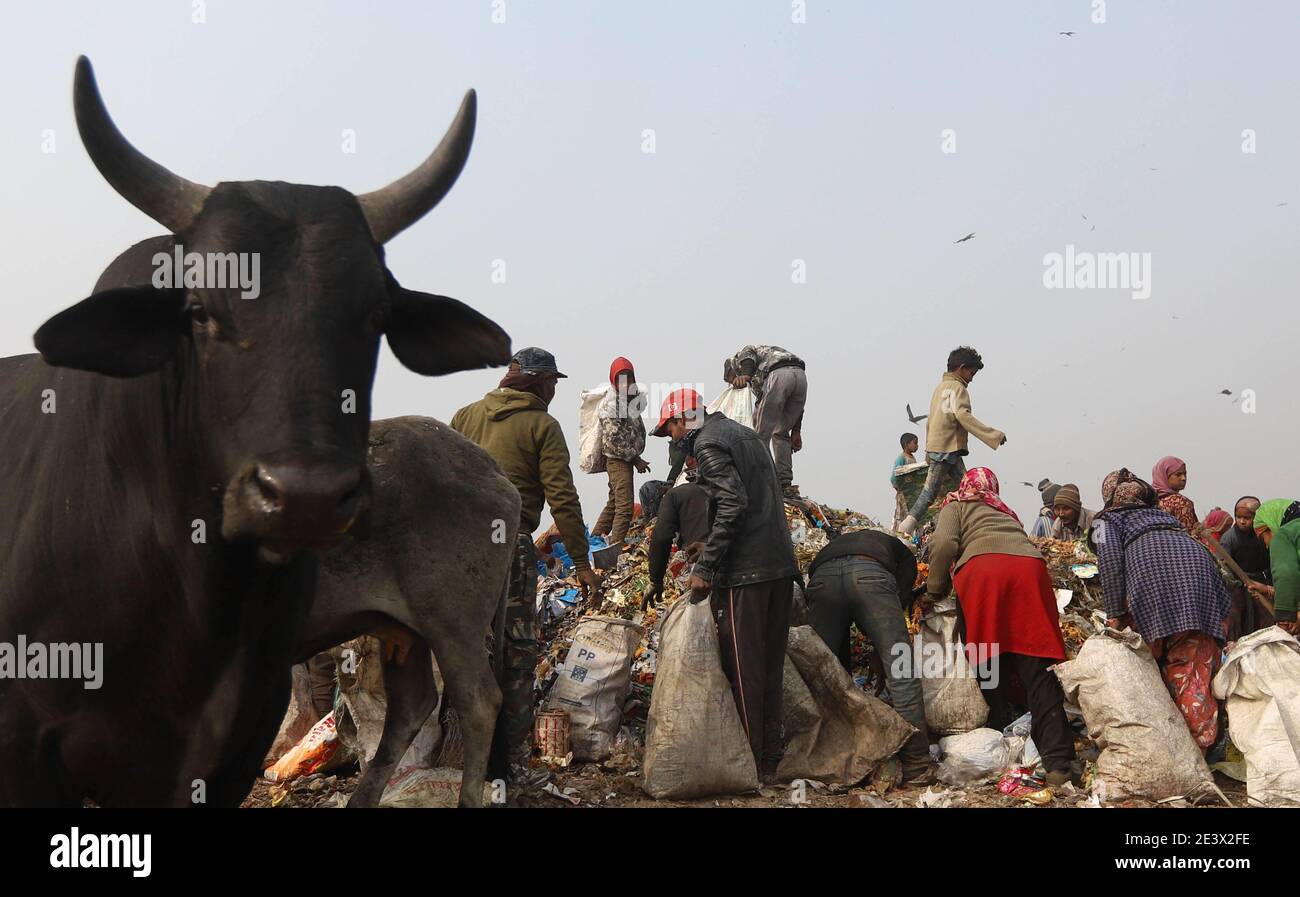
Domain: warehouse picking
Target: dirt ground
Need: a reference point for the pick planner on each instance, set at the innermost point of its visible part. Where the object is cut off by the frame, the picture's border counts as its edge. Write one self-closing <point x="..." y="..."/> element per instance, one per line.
<point x="595" y="786"/>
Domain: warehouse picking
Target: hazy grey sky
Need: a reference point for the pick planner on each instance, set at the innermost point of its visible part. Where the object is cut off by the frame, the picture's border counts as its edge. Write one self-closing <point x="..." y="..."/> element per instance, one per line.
<point x="774" y="141"/>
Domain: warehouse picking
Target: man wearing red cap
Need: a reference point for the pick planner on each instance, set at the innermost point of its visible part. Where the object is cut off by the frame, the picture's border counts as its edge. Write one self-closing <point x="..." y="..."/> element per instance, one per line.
<point x="622" y="440"/>
<point x="747" y="565"/>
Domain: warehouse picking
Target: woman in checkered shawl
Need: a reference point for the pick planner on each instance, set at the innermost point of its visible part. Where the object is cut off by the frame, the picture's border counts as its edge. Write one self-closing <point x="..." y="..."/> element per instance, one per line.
<point x="1157" y="579"/>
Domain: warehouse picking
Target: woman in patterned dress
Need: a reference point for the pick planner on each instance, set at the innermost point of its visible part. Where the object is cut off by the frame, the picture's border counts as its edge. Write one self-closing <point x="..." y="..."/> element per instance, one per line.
<point x="1160" y="581"/>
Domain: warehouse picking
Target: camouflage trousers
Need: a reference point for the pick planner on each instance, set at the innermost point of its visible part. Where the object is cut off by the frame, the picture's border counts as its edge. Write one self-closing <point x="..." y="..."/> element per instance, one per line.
<point x="512" y="742"/>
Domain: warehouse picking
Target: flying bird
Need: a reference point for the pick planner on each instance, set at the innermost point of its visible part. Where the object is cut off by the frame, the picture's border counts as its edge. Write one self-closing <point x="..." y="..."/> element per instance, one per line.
<point x="1085" y="218"/>
<point x="1279" y="205"/>
<point x="1066" y="33"/>
<point x="913" y="418"/>
<point x="969" y="236"/>
<point x="1225" y="392"/>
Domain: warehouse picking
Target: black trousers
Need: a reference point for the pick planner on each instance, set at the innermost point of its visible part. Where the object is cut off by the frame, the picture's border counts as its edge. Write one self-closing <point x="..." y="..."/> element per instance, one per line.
<point x="753" y="630"/>
<point x="1049" y="725"/>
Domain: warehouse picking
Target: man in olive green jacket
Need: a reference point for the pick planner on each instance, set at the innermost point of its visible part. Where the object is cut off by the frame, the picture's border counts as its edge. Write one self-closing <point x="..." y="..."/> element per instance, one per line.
<point x="512" y="424"/>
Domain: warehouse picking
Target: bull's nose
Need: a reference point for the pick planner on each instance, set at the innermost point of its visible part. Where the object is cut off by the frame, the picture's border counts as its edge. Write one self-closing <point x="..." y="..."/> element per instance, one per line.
<point x="309" y="496"/>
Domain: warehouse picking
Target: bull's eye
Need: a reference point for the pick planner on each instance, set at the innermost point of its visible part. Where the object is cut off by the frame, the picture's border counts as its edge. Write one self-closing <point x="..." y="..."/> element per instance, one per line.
<point x="198" y="314"/>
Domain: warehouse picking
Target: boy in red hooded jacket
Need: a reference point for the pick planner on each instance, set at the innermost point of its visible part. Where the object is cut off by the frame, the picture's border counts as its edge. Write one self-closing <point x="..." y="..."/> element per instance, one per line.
<point x="622" y="440"/>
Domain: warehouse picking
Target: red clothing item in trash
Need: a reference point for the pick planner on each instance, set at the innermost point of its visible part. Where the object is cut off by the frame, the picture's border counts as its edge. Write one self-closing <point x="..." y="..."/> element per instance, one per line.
<point x="1009" y="606"/>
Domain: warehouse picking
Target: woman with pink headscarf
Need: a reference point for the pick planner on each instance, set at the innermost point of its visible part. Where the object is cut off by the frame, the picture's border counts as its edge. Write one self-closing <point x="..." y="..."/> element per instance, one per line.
<point x="1169" y="477"/>
<point x="1009" y="607"/>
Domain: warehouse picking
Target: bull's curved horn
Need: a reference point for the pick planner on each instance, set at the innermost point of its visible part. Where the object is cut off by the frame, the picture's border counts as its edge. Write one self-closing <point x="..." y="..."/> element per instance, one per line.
<point x="168" y="199"/>
<point x="392" y="209"/>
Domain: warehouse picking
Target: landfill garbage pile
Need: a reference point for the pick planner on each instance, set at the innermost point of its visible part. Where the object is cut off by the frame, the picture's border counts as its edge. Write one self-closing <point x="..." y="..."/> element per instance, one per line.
<point x="1071" y="565"/>
<point x="610" y="770"/>
<point x="1073" y="569"/>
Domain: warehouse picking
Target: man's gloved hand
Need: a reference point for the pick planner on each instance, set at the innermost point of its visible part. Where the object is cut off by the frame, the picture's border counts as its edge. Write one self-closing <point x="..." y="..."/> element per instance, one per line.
<point x="741" y="381"/>
<point x="693" y="551"/>
<point x="651" y="596"/>
<point x="589" y="580"/>
<point x="796" y="441"/>
<point x="641" y="465"/>
<point x="699" y="589"/>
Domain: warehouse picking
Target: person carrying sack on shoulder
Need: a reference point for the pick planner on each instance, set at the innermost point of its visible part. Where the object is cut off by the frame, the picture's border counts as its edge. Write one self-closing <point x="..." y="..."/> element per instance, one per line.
<point x="622" y="440"/>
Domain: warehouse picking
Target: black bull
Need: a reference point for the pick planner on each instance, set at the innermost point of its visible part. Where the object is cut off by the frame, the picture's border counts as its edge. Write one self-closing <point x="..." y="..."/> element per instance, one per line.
<point x="172" y="455"/>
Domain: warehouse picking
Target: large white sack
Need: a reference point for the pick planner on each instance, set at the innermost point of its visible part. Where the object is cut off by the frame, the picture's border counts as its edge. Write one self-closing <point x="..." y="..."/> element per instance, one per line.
<point x="1146" y="748"/>
<point x="695" y="743"/>
<point x="737" y="404"/>
<point x="953" y="702"/>
<point x="591" y="459"/>
<point x="1261" y="683"/>
<point x="835" y="732"/>
<point x="593" y="683"/>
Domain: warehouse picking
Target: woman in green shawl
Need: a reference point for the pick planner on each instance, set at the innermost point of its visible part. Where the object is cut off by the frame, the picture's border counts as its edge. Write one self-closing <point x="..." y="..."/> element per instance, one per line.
<point x="1278" y="523"/>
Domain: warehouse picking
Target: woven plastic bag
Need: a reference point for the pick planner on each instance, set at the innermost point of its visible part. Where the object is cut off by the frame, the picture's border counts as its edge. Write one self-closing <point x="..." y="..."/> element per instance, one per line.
<point x="1146" y="748"/>
<point x="594" y="682"/>
<point x="695" y="743"/>
<point x="1261" y="683"/>
<point x="953" y="702"/>
<point x="835" y="732"/>
<point x="591" y="458"/>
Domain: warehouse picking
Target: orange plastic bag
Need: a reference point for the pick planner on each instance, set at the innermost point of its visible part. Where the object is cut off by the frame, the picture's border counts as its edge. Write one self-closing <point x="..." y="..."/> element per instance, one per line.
<point x="310" y="755"/>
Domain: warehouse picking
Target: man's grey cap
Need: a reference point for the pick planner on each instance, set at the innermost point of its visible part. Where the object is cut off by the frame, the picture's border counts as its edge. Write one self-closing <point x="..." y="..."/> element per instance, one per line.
<point x="532" y="360"/>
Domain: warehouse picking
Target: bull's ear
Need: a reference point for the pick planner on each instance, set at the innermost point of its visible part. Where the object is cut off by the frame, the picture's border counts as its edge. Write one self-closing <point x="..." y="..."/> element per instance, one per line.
<point x="122" y="332"/>
<point x="434" y="335"/>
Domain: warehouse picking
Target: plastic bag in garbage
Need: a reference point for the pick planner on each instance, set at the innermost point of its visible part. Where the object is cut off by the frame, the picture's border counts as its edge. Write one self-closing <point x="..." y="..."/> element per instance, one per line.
<point x="1024" y="752"/>
<point x="973" y="758"/>
<point x="308" y="756"/>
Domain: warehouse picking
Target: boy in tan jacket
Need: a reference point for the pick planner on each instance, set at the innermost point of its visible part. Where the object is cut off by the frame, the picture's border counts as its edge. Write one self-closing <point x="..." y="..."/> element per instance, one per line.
<point x="948" y="430"/>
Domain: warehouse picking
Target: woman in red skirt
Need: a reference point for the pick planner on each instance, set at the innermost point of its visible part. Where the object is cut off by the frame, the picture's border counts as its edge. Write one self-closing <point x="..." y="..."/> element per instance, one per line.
<point x="1009" y="606"/>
